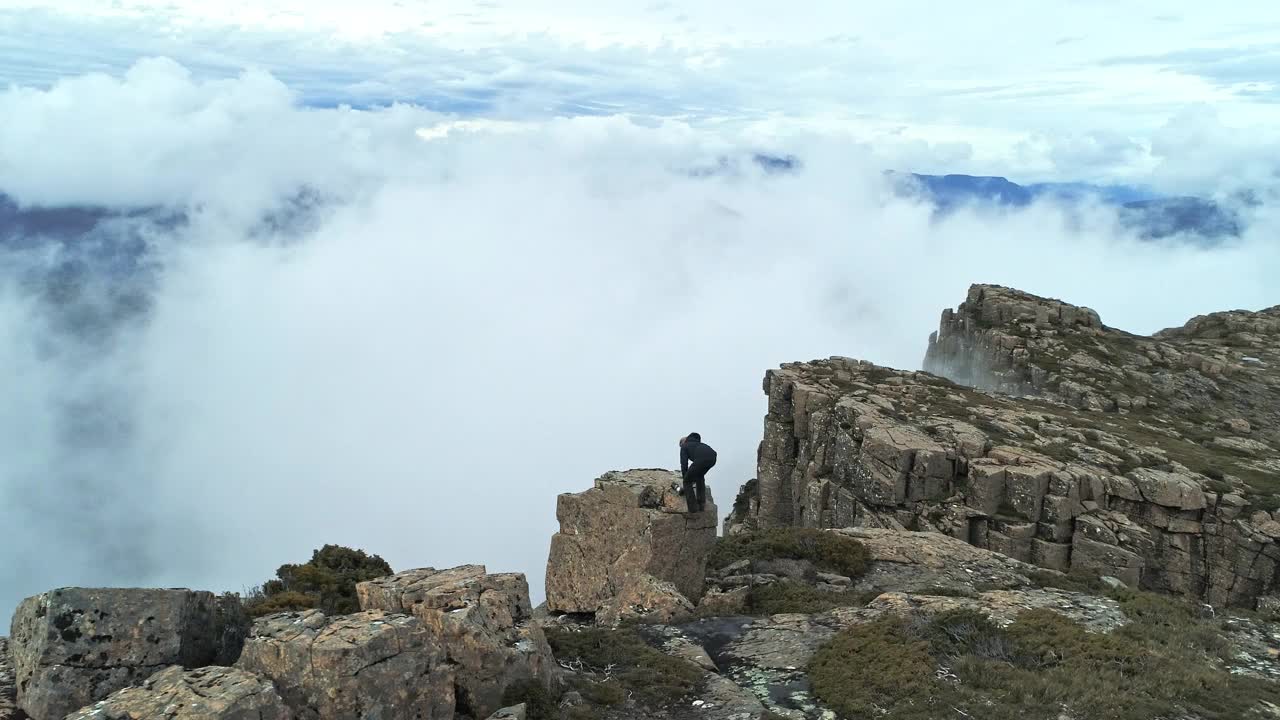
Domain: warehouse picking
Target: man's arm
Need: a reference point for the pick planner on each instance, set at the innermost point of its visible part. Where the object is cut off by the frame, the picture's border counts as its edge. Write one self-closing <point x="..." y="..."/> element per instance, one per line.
<point x="684" y="461"/>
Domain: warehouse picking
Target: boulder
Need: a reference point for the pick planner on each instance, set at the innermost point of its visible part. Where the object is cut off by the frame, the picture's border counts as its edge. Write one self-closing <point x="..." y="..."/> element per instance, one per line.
<point x="210" y="693"/>
<point x="368" y="664"/>
<point x="74" y="646"/>
<point x="483" y="623"/>
<point x="629" y="525"/>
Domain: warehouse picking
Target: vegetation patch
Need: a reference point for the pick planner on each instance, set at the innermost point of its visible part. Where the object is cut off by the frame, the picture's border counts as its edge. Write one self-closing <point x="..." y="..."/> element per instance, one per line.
<point x="787" y="596"/>
<point x="327" y="581"/>
<point x="827" y="550"/>
<point x="1165" y="663"/>
<point x="617" y="665"/>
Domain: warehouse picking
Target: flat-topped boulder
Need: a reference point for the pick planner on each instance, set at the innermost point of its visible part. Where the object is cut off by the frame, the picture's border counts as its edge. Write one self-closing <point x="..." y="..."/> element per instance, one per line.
<point x="74" y="646"/>
<point x="629" y="530"/>
<point x="210" y="693"/>
<point x="368" y="664"/>
<point x="482" y="622"/>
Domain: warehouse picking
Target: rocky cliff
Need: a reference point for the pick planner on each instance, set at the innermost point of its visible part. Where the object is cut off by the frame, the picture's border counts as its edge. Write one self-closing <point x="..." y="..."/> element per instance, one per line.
<point x="1042" y="434"/>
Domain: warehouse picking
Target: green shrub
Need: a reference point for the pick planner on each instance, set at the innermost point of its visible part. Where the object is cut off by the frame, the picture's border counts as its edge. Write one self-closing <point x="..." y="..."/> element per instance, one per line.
<point x="827" y="550"/>
<point x="539" y="704"/>
<point x="624" y="665"/>
<point x="1162" y="664"/>
<point x="786" y="596"/>
<point x="327" y="581"/>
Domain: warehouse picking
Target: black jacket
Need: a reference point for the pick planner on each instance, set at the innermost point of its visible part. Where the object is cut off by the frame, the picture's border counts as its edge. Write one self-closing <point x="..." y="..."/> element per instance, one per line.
<point x="696" y="452"/>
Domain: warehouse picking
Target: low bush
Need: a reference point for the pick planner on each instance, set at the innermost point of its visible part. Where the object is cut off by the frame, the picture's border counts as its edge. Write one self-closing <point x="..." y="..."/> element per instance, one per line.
<point x="1044" y="665"/>
<point x="792" y="597"/>
<point x="827" y="550"/>
<point x="621" y="665"/>
<point x="327" y="581"/>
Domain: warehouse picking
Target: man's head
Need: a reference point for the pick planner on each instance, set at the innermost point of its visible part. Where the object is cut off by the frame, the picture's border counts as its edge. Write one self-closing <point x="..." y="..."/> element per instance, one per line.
<point x="693" y="437"/>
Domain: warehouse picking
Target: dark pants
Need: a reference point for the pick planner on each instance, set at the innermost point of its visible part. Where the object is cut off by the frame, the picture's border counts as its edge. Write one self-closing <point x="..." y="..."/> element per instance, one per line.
<point x="695" y="485"/>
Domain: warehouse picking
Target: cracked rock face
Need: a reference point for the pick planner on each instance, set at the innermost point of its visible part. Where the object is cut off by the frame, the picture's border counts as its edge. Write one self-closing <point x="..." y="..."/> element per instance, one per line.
<point x="211" y="693"/>
<point x="1148" y="459"/>
<point x="74" y="646"/>
<point x="8" y="686"/>
<point x="628" y="526"/>
<point x="369" y="664"/>
<point x="482" y="622"/>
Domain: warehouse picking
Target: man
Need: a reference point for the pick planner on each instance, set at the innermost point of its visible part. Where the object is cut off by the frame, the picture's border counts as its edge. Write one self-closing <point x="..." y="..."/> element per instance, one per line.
<point x="696" y="458"/>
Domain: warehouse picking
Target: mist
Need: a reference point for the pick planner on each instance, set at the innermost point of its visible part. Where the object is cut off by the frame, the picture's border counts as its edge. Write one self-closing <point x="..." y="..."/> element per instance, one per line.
<point x="462" y="321"/>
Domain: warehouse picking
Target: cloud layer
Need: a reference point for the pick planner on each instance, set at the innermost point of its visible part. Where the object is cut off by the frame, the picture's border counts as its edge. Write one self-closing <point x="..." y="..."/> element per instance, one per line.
<point x="462" y="322"/>
<point x="1097" y="94"/>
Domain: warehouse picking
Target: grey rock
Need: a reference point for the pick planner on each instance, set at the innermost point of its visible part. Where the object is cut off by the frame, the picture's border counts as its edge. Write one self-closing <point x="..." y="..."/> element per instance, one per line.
<point x="210" y="693"/>
<point x="74" y="646"/>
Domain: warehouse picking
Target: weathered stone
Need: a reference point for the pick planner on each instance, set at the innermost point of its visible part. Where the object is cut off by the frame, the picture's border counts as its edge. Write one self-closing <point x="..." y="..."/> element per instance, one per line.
<point x="369" y="664"/>
<point x="515" y="712"/>
<point x="922" y="561"/>
<point x="483" y="623"/>
<point x="631" y="524"/>
<point x="725" y="602"/>
<point x="1051" y="555"/>
<point x="1116" y="426"/>
<point x="1107" y="560"/>
<point x="8" y="686"/>
<point x="646" y="599"/>
<point x="74" y="646"/>
<point x="209" y="693"/>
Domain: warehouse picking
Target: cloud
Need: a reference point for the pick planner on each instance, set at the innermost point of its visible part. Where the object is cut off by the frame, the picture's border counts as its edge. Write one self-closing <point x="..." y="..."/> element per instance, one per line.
<point x="989" y="78"/>
<point x="473" y="318"/>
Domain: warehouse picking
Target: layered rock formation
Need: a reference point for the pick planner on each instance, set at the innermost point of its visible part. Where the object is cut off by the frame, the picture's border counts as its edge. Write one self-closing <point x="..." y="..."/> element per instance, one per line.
<point x="212" y="693"/>
<point x="482" y="622"/>
<point x="74" y="646"/>
<point x="628" y="548"/>
<point x="1149" y="459"/>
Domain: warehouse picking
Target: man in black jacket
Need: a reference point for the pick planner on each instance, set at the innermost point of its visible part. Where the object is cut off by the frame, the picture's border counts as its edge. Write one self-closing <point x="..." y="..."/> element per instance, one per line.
<point x="696" y="458"/>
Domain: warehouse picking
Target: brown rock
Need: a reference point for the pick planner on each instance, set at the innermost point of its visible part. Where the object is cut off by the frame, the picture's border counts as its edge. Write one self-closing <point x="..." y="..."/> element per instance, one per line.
<point x="210" y="693"/>
<point x="369" y="664"/>
<point x="646" y="599"/>
<point x="630" y="525"/>
<point x="482" y="622"/>
<point x="74" y="646"/>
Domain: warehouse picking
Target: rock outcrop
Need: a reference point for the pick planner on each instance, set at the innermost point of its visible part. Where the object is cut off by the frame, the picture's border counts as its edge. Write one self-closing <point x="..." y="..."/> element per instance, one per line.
<point x="369" y="664"/>
<point x="8" y="686"/>
<point x="211" y="693"/>
<point x="74" y="646"/>
<point x="625" y="545"/>
<point x="1121" y="455"/>
<point x="483" y="624"/>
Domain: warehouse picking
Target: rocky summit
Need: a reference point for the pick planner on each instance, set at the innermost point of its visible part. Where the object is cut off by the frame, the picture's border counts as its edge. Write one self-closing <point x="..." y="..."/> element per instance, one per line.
<point x="1044" y="435"/>
<point x="1055" y="520"/>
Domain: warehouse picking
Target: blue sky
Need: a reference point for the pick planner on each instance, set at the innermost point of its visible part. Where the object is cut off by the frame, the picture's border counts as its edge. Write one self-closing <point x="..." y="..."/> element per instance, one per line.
<point x="1100" y="91"/>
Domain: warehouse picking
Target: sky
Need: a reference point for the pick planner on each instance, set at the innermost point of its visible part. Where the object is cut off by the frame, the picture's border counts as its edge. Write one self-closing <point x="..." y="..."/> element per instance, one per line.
<point x="439" y="262"/>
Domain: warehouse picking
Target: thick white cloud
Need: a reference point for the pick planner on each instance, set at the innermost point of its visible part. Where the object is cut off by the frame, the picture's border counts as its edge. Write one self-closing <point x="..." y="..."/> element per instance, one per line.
<point x="480" y="319"/>
<point x="996" y="77"/>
